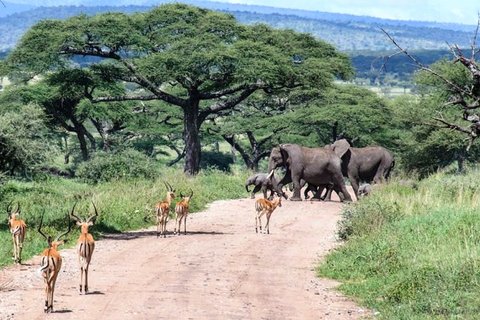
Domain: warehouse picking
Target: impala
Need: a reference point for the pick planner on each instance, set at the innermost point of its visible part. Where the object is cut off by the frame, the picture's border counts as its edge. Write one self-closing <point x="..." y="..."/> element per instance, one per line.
<point x="51" y="263"/>
<point x="264" y="206"/>
<point x="18" y="229"/>
<point x="162" y="209"/>
<point x="85" y="246"/>
<point x="181" y="211"/>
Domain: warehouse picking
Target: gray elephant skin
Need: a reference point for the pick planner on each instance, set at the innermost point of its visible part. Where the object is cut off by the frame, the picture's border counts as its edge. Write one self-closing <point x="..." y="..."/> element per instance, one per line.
<point x="264" y="182"/>
<point x="369" y="164"/>
<point x="317" y="166"/>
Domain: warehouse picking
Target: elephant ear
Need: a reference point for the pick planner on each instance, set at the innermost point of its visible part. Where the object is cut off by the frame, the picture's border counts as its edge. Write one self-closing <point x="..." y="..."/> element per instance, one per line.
<point x="284" y="153"/>
<point x="341" y="147"/>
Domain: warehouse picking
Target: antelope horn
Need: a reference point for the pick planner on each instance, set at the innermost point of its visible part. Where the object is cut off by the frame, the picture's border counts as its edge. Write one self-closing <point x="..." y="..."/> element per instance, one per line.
<point x="9" y="207"/>
<point x="69" y="228"/>
<point x="39" y="229"/>
<point x="18" y="208"/>
<point x="168" y="186"/>
<point x="191" y="193"/>
<point x="72" y="214"/>
<point x="93" y="217"/>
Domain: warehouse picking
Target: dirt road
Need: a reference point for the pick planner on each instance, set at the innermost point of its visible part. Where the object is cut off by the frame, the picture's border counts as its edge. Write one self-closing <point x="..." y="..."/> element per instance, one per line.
<point x="220" y="270"/>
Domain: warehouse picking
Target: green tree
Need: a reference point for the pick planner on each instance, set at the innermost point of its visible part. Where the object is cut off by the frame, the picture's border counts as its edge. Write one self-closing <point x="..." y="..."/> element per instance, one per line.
<point x="201" y="61"/>
<point x="24" y="142"/>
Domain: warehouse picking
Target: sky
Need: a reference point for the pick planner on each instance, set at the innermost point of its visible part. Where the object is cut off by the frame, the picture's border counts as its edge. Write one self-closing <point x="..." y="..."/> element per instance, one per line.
<point x="463" y="11"/>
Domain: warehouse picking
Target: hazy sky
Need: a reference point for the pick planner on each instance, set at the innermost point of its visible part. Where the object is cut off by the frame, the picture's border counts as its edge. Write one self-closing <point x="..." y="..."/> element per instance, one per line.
<point x="463" y="11"/>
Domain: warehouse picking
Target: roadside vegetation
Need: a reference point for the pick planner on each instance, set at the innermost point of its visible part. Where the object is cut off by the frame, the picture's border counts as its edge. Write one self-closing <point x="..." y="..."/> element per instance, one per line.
<point x="123" y="204"/>
<point x="413" y="249"/>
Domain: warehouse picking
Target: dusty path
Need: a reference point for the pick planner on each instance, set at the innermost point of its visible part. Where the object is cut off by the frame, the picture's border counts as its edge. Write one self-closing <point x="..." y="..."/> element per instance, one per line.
<point x="220" y="270"/>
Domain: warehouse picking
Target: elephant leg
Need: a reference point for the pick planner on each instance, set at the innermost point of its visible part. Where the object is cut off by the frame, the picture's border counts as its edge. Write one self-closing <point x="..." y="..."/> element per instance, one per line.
<point x="316" y="193"/>
<point x="255" y="190"/>
<point x="296" y="191"/>
<point x="264" y="191"/>
<point x="328" y="194"/>
<point x="340" y="183"/>
<point x="354" y="181"/>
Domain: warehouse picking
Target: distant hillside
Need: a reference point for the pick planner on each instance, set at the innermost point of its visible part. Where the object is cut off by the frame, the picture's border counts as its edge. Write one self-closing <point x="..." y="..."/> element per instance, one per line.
<point x="346" y="32"/>
<point x="359" y="36"/>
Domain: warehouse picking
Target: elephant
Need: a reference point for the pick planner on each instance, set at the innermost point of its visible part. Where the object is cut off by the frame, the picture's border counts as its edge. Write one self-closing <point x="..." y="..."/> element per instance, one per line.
<point x="364" y="190"/>
<point x="318" y="191"/>
<point x="317" y="166"/>
<point x="264" y="182"/>
<point x="369" y="164"/>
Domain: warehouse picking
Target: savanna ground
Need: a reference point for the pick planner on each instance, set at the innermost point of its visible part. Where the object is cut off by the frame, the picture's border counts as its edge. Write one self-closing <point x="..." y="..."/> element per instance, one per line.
<point x="221" y="269"/>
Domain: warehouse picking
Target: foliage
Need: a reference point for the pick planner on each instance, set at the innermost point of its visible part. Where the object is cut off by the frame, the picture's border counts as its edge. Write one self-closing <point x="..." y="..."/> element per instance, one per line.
<point x="216" y="160"/>
<point x="413" y="249"/>
<point x="201" y="61"/>
<point x="346" y="32"/>
<point x="24" y="142"/>
<point x="123" y="204"/>
<point x="105" y="167"/>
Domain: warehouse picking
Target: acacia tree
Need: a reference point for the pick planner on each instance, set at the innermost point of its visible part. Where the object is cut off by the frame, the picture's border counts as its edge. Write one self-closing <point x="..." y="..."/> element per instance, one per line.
<point x="457" y="84"/>
<point x="201" y="61"/>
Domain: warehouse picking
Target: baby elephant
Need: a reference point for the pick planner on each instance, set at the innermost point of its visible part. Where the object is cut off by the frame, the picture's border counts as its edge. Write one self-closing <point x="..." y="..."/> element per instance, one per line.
<point x="364" y="190"/>
<point x="265" y="182"/>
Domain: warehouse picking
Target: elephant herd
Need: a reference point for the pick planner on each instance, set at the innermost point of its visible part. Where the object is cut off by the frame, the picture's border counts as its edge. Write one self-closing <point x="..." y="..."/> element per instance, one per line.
<point x="326" y="167"/>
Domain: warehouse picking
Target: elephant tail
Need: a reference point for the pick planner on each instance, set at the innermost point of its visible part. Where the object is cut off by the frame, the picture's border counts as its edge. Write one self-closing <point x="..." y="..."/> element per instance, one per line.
<point x="389" y="170"/>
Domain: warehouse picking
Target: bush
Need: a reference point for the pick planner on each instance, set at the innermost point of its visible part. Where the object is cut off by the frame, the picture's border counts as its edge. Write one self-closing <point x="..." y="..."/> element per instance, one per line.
<point x="216" y="160"/>
<point x="105" y="167"/>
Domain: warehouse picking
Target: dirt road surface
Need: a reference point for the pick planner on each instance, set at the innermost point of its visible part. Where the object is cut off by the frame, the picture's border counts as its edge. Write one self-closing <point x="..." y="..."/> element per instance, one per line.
<point x="221" y="269"/>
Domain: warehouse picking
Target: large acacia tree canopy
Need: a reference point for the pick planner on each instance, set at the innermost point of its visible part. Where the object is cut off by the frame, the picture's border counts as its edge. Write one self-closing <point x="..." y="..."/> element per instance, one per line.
<point x="179" y="46"/>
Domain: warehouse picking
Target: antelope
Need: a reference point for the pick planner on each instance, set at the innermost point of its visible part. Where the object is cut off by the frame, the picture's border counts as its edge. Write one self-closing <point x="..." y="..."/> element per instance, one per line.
<point x="264" y="206"/>
<point x="181" y="211"/>
<point x="18" y="229"/>
<point x="85" y="246"/>
<point x="51" y="263"/>
<point x="162" y="209"/>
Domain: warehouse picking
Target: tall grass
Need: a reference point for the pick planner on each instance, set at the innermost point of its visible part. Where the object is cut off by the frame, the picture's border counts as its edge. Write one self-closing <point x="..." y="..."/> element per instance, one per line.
<point x="122" y="204"/>
<point x="413" y="249"/>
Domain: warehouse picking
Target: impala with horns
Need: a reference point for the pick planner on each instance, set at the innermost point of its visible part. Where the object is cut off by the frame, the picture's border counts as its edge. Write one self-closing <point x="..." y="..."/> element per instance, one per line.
<point x="51" y="262"/>
<point x="18" y="229"/>
<point x="265" y="207"/>
<point x="85" y="247"/>
<point x="162" y="209"/>
<point x="181" y="211"/>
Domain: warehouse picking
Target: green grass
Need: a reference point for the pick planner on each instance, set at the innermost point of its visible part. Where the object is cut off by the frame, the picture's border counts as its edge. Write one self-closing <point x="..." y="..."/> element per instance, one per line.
<point x="122" y="204"/>
<point x="413" y="249"/>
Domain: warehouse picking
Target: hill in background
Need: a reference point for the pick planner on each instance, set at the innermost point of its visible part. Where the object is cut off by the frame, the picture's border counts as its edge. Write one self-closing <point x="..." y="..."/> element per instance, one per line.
<point x="359" y="36"/>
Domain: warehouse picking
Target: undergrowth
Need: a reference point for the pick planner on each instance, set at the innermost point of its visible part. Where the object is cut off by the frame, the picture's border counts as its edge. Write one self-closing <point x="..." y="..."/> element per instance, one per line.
<point x="123" y="204"/>
<point x="413" y="249"/>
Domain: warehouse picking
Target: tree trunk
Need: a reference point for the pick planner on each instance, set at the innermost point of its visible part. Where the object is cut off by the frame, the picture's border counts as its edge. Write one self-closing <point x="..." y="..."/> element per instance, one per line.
<point x="80" y="131"/>
<point x="191" y="127"/>
<point x="83" y="145"/>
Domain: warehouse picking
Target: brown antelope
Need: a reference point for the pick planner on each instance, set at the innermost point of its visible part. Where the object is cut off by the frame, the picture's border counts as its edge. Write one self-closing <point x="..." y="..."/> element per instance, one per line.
<point x="264" y="206"/>
<point x="85" y="246"/>
<point x="162" y="209"/>
<point x="18" y="228"/>
<point x="51" y="263"/>
<point x="181" y="211"/>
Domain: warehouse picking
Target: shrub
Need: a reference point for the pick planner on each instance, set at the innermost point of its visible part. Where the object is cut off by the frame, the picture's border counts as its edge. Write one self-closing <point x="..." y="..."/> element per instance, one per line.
<point x="105" y="167"/>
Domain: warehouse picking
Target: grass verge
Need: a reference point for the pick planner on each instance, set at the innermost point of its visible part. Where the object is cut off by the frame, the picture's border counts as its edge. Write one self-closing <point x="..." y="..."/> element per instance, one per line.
<point x="122" y="204"/>
<point x="413" y="249"/>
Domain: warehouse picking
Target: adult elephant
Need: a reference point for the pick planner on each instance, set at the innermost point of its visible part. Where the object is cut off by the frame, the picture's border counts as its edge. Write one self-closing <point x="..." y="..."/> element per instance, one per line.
<point x="317" y="166"/>
<point x="369" y="164"/>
